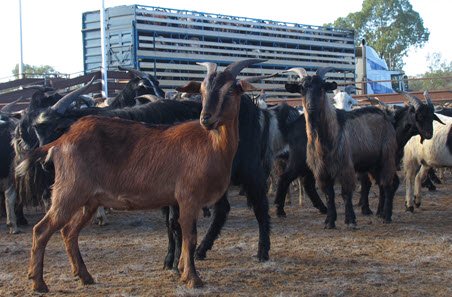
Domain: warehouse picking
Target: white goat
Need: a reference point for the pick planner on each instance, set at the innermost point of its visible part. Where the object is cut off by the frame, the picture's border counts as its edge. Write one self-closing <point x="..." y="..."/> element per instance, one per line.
<point x="343" y="99"/>
<point x="420" y="157"/>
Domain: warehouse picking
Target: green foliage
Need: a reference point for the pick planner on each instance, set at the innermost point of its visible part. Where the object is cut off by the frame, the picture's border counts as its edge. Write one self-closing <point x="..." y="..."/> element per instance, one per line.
<point x="438" y="77"/>
<point x="391" y="27"/>
<point x="35" y="71"/>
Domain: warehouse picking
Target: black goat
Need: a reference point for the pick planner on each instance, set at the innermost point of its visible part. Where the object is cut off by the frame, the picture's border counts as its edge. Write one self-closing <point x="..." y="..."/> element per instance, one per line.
<point x="295" y="136"/>
<point x="415" y="119"/>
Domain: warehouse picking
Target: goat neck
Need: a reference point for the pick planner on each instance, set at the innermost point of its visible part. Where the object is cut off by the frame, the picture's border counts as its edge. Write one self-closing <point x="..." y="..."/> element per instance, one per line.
<point x="320" y="114"/>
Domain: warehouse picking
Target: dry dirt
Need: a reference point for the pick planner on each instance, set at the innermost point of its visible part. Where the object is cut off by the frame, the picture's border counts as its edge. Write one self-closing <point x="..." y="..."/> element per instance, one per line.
<point x="410" y="257"/>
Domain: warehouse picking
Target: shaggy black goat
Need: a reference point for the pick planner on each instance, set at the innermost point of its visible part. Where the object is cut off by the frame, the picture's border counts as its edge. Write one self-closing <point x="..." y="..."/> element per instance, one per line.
<point x="330" y="152"/>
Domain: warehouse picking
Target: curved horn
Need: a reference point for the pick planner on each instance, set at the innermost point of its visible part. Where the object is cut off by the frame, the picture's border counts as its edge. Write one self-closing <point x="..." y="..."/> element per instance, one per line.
<point x="375" y="101"/>
<point x="64" y="102"/>
<point x="211" y="67"/>
<point x="238" y="66"/>
<point x="7" y="108"/>
<point x="428" y="99"/>
<point x="298" y="70"/>
<point x="38" y="87"/>
<point x="413" y="100"/>
<point x="322" y="71"/>
<point x="252" y="79"/>
<point x="135" y="72"/>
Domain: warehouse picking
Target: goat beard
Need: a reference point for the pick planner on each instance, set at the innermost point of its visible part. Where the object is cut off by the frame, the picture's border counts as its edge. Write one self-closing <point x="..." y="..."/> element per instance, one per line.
<point x="422" y="139"/>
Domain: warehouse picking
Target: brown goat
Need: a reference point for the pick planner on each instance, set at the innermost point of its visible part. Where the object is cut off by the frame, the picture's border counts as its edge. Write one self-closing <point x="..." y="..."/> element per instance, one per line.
<point x="127" y="165"/>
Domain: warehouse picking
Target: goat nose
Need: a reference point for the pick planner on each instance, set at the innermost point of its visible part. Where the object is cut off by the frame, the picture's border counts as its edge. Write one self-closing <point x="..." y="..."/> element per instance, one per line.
<point x="205" y="118"/>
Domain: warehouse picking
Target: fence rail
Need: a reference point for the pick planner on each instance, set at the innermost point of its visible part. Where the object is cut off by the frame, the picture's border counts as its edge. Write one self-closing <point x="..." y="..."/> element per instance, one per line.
<point x="10" y="91"/>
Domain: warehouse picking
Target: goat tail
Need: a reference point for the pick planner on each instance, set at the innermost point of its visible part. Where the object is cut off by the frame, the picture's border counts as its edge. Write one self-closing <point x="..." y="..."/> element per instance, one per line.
<point x="32" y="158"/>
<point x="34" y="177"/>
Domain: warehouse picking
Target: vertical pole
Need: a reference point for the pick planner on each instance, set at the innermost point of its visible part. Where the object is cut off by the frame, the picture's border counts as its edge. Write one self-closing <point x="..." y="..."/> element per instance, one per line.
<point x="21" y="58"/>
<point x="104" y="69"/>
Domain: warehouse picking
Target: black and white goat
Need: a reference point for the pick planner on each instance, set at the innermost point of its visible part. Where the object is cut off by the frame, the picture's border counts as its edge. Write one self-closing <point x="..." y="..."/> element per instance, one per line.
<point x="331" y="155"/>
<point x="420" y="155"/>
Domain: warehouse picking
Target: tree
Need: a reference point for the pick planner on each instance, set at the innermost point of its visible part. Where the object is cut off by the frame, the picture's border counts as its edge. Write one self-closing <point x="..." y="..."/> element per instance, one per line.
<point x="437" y="77"/>
<point x="33" y="71"/>
<point x="391" y="27"/>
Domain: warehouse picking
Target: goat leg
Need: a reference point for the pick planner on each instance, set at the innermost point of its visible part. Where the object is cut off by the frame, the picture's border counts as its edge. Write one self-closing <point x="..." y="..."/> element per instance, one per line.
<point x="330" y="222"/>
<point x="10" y="200"/>
<point x="309" y="186"/>
<point x="186" y="265"/>
<point x="350" y="217"/>
<point x="220" y="214"/>
<point x="70" y="234"/>
<point x="364" y="194"/>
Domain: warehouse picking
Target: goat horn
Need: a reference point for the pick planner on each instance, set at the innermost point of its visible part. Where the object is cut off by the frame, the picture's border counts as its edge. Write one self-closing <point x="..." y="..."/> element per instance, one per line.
<point x="375" y="100"/>
<point x="8" y="107"/>
<point x="64" y="102"/>
<point x="260" y="77"/>
<point x="211" y="67"/>
<point x="135" y="72"/>
<point x="298" y="70"/>
<point x="428" y="99"/>
<point x="413" y="100"/>
<point x="238" y="66"/>
<point x="143" y="75"/>
<point x="322" y="71"/>
<point x="38" y="87"/>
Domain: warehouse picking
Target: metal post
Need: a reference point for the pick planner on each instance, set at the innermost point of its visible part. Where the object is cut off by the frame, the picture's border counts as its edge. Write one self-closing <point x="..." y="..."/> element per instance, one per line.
<point x="104" y="68"/>
<point x="21" y="58"/>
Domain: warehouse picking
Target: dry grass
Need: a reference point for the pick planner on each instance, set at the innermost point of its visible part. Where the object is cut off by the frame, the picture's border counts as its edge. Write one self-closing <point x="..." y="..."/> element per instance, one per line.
<point x="410" y="257"/>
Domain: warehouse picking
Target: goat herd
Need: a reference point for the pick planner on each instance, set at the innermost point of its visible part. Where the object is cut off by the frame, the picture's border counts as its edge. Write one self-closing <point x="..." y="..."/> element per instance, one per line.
<point x="143" y="151"/>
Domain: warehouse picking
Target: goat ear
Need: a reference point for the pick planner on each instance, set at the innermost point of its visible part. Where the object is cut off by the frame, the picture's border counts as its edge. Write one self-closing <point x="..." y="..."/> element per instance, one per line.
<point x="246" y="86"/>
<point x="293" y="88"/>
<point x="330" y="86"/>
<point x="192" y="87"/>
<point x="436" y="118"/>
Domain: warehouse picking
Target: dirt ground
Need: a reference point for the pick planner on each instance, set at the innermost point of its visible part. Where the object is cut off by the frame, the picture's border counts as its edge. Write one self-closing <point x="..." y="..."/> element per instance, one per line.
<point x="410" y="257"/>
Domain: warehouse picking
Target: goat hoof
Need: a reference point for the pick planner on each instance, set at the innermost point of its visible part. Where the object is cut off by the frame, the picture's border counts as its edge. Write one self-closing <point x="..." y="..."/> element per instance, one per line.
<point x="352" y="226"/>
<point x="40" y="287"/>
<point x="417" y="204"/>
<point x="200" y="255"/>
<point x="432" y="188"/>
<point x="87" y="279"/>
<point x="366" y="212"/>
<point x="262" y="256"/>
<point x="330" y="226"/>
<point x="281" y="213"/>
<point x="206" y="212"/>
<point x="168" y="265"/>
<point x="22" y="221"/>
<point x="409" y="208"/>
<point x="322" y="210"/>
<point x="195" y="282"/>
<point x="15" y="231"/>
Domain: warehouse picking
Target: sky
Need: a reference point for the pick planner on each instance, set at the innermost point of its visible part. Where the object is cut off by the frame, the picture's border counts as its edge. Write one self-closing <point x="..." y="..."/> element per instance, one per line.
<point x="51" y="29"/>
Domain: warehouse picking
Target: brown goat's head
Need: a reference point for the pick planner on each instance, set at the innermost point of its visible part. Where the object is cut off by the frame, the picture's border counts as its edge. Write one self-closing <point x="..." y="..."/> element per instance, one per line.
<point x="422" y="114"/>
<point x="221" y="92"/>
<point x="311" y="88"/>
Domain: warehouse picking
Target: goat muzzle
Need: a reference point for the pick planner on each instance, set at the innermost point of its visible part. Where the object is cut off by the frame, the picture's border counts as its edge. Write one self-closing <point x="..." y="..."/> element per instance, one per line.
<point x="207" y="121"/>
